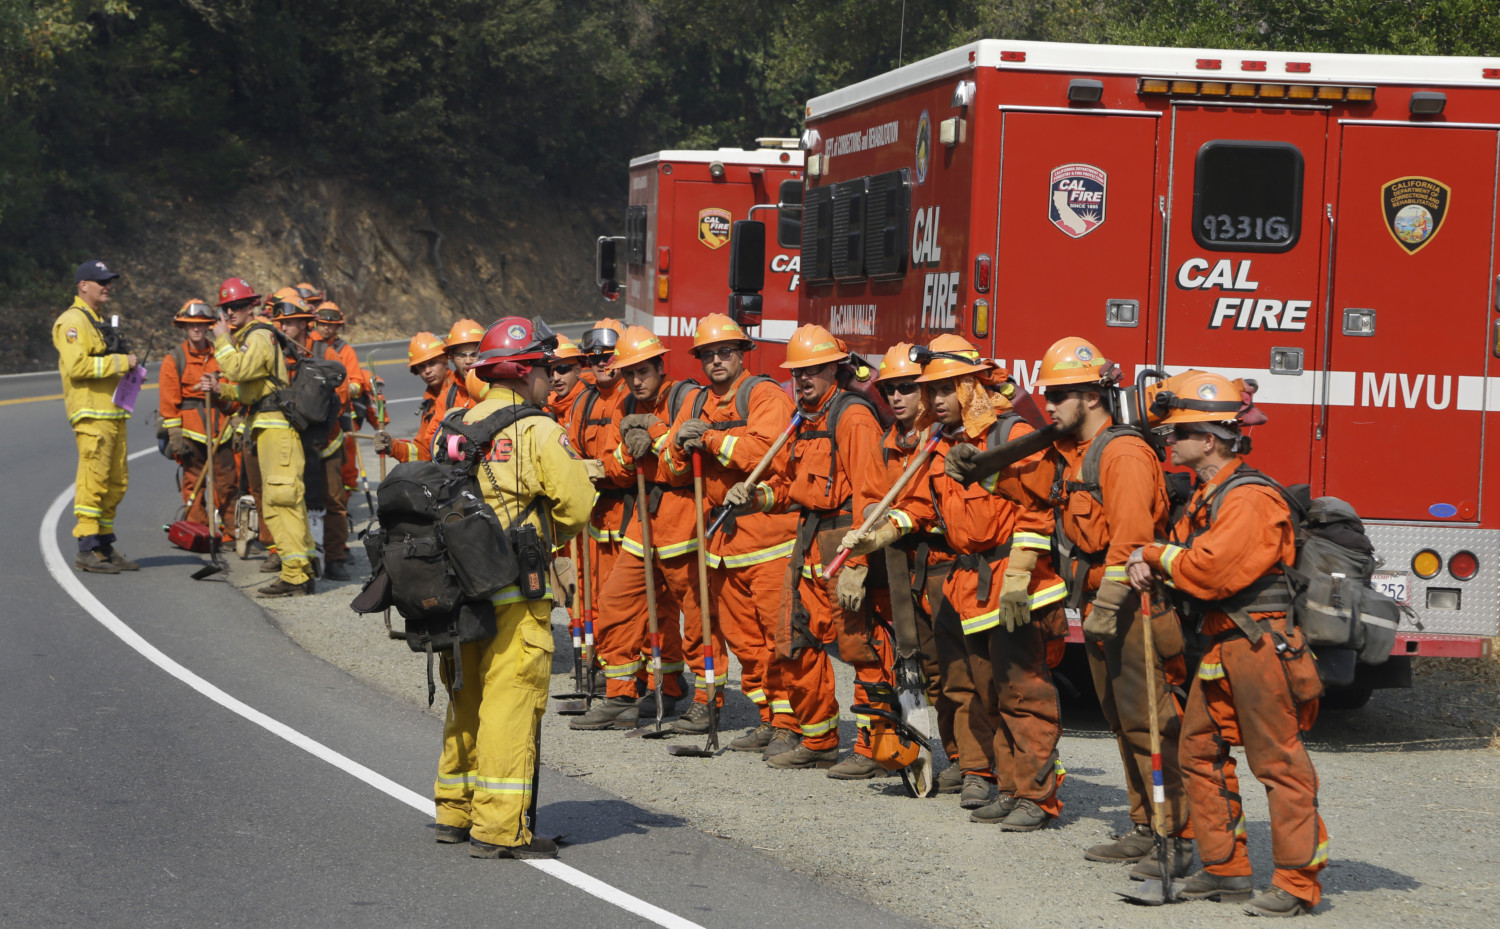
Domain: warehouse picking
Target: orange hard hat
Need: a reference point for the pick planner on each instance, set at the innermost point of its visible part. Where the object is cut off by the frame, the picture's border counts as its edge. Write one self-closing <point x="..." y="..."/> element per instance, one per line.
<point x="897" y="363"/>
<point x="195" y="310"/>
<point x="286" y="303"/>
<point x="601" y="339"/>
<point x="1075" y="361"/>
<point x="566" y="348"/>
<point x="638" y="344"/>
<point x="813" y="345"/>
<point x="424" y="347"/>
<point x="476" y="388"/>
<point x="948" y="356"/>
<point x="310" y="293"/>
<point x="464" y="332"/>
<point x="329" y="312"/>
<point x="715" y="328"/>
<point x="1202" y="397"/>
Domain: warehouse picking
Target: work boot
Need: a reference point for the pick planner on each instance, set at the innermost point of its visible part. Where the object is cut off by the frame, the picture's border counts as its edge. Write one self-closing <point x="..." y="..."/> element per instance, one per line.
<point x="1233" y="888"/>
<point x="856" y="767"/>
<point x="272" y="564"/>
<point x="755" y="740"/>
<point x="451" y="835"/>
<point x="782" y="741"/>
<point x="280" y="588"/>
<point x="336" y="571"/>
<point x="951" y="781"/>
<point x="120" y="561"/>
<point x="695" y="721"/>
<point x="614" y="713"/>
<point x="1181" y="856"/>
<point x="95" y="562"/>
<point x="1275" y="902"/>
<point x="977" y="792"/>
<point x="804" y="757"/>
<point x="647" y="704"/>
<point x="1134" y="845"/>
<point x="538" y="847"/>
<point x="995" y="811"/>
<point x="1026" y="817"/>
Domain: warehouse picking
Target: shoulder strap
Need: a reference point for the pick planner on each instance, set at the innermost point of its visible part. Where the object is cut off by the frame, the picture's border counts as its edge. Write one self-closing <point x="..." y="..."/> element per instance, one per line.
<point x="180" y="357"/>
<point x="679" y="394"/>
<point x="452" y="395"/>
<point x="1001" y="431"/>
<point x="1094" y="458"/>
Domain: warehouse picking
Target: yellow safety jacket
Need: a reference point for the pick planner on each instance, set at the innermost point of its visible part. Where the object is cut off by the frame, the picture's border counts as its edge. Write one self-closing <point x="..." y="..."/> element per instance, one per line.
<point x="89" y="373"/>
<point x="528" y="459"/>
<point x="251" y="358"/>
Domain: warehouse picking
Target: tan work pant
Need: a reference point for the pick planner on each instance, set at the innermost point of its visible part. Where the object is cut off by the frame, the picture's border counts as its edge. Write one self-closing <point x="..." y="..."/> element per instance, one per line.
<point x="103" y="475"/>
<point x="283" y="506"/>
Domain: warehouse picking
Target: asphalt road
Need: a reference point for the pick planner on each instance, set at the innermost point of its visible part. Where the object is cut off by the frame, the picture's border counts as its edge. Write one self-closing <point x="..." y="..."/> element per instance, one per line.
<point x="173" y="759"/>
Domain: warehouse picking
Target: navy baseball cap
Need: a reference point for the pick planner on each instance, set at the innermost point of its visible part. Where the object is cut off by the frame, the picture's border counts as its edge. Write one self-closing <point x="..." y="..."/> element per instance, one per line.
<point x="94" y="271"/>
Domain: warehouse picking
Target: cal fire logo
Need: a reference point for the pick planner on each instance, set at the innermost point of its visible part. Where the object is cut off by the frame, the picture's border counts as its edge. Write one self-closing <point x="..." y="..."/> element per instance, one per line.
<point x="1241" y="312"/>
<point x="940" y="289"/>
<point x="924" y="146"/>
<point x="1076" y="199"/>
<point x="713" y="227"/>
<point x="1414" y="208"/>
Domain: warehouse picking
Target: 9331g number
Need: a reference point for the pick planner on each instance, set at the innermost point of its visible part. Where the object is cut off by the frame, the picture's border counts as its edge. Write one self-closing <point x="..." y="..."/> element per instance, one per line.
<point x="1226" y="228"/>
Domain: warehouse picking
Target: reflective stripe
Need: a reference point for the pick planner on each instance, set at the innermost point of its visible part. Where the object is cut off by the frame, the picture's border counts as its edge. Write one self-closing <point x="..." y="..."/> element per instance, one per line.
<point x="770" y="496"/>
<point x="79" y="510"/>
<point x="620" y="457"/>
<point x="902" y="520"/>
<point x="761" y="556"/>
<point x="1168" y="556"/>
<point x="980" y="623"/>
<point x="812" y="571"/>
<point x="990" y="483"/>
<point x="662" y="551"/>
<point x="822" y="728"/>
<point x="1239" y="826"/>
<point x="1057" y="766"/>
<point x="783" y="707"/>
<point x="512" y="594"/>
<point x="1030" y="540"/>
<point x="98" y="414"/>
<point x="603" y="535"/>
<point x="628" y="669"/>
<point x="465" y="779"/>
<point x="1117" y="573"/>
<point x="726" y="450"/>
<point x="659" y="444"/>
<point x="756" y="696"/>
<point x="503" y="785"/>
<point x="1048" y="596"/>
<point x="172" y="423"/>
<point x="863" y="720"/>
<point x="672" y="667"/>
<point x="1321" y="855"/>
<point x="1210" y="672"/>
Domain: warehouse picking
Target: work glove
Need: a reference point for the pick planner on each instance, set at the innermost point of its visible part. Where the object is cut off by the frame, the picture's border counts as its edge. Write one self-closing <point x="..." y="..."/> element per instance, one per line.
<point x="565" y="577"/>
<point x="958" y="462"/>
<point x="1103" y="621"/>
<point x="646" y="421"/>
<point x="1015" y="601"/>
<point x="864" y="542"/>
<point x="383" y="442"/>
<point x="690" y="435"/>
<point x="178" y="445"/>
<point x="851" y="587"/>
<point x="637" y="442"/>
<point x="742" y="497"/>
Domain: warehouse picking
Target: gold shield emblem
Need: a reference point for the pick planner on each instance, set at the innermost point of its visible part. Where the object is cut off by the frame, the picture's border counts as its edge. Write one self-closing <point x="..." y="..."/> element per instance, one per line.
<point x="1414" y="208"/>
<point x="713" y="227"/>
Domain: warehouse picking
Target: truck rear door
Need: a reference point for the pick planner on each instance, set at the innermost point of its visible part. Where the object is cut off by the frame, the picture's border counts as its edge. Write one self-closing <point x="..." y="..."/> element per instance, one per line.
<point x="1411" y="328"/>
<point x="1077" y="208"/>
<point x="1245" y="262"/>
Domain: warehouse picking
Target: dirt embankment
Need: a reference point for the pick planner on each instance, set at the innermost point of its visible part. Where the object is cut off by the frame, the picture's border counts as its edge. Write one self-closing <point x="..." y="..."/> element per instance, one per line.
<point x="395" y="265"/>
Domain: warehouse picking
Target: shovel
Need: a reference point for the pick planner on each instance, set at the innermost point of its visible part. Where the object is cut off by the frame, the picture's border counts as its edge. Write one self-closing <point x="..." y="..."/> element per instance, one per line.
<point x="711" y="746"/>
<point x="215" y="563"/>
<point x="1154" y="892"/>
<point x="575" y="703"/>
<point x="652" y="626"/>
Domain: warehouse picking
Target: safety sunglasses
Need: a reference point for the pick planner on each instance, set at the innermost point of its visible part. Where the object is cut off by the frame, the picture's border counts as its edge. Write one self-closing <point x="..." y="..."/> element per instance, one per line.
<point x="561" y="369"/>
<point x="595" y="361"/>
<point x="717" y="354"/>
<point x="810" y="371"/>
<point x="1180" y="433"/>
<point x="905" y="389"/>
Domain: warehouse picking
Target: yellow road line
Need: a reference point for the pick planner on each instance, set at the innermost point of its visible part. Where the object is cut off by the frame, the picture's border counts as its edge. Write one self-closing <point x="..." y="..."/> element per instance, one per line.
<point x="144" y="387"/>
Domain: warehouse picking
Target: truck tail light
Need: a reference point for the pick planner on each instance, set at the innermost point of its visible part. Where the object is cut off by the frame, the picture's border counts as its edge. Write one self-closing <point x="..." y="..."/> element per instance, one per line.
<point x="1463" y="565"/>
<point x="661" y="287"/>
<point x="982" y="268"/>
<point x="1213" y="88"/>
<point x="1301" y="91"/>
<point x="1241" y="90"/>
<point x="1426" y="563"/>
<point x="664" y="258"/>
<point x="1299" y="67"/>
<point x="980" y="321"/>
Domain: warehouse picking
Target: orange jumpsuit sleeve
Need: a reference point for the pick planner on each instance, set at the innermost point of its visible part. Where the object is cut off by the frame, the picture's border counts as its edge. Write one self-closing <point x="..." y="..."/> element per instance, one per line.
<point x="914" y="510"/>
<point x="1028" y="484"/>
<point x="1135" y="502"/>
<point x="169" y="386"/>
<point x="1253" y="531"/>
<point x="770" y="409"/>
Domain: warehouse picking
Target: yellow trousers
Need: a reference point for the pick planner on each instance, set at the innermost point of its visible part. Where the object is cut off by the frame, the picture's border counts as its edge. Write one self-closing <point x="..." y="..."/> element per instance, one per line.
<point x="283" y="504"/>
<point x="102" y="475"/>
<point x="485" y="775"/>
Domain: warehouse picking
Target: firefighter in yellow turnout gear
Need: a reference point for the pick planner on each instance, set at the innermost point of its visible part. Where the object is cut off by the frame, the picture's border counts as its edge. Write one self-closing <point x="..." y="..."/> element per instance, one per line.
<point x="249" y="356"/>
<point x="92" y="358"/>
<point x="485" y="787"/>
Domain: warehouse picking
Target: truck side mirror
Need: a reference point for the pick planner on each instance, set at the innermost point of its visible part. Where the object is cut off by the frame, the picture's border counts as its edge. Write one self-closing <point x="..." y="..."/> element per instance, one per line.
<point x="789" y="214"/>
<point x="606" y="265"/>
<point x="747" y="271"/>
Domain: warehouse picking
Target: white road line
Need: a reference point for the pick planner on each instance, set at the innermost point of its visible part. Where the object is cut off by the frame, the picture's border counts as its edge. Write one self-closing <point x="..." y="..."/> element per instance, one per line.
<point x="62" y="572"/>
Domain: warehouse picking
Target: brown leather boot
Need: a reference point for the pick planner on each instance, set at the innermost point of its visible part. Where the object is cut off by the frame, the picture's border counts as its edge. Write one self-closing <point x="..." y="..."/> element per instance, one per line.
<point x="1134" y="845"/>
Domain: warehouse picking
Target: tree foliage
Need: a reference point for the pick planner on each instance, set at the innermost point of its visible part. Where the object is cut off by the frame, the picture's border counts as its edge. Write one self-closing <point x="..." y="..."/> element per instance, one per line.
<point x="103" y="102"/>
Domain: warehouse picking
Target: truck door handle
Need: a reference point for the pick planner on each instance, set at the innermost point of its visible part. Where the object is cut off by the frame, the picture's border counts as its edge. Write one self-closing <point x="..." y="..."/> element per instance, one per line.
<point x="1286" y="361"/>
<point x="1359" y="322"/>
<point x="1122" y="313"/>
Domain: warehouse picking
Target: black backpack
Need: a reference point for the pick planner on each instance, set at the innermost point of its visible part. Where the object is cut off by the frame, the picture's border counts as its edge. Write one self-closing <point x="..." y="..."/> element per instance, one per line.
<point x="311" y="399"/>
<point x="440" y="551"/>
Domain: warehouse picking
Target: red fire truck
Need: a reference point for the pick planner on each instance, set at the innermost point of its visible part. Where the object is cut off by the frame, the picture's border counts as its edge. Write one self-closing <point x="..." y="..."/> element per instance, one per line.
<point x="675" y="251"/>
<point x="1324" y="224"/>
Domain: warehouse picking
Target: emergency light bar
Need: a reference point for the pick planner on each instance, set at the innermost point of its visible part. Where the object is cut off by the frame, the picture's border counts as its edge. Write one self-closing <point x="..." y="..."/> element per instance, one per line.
<point x="1320" y="92"/>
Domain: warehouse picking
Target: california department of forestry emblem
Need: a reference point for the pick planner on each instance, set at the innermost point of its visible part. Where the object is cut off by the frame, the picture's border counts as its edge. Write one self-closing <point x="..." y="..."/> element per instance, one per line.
<point x="516" y="332"/>
<point x="1076" y="198"/>
<point x="1414" y="208"/>
<point x="713" y="227"/>
<point x="924" y="146"/>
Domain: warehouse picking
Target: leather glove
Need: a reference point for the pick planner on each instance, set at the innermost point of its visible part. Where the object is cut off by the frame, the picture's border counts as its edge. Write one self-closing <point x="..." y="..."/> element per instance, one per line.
<point x="1103" y="621"/>
<point x="177" y="444"/>
<point x="1015" y="601"/>
<point x="638" y="421"/>
<point x="637" y="442"/>
<point x="690" y="434"/>
<point x="863" y="543"/>
<point x="741" y="497"/>
<point x="383" y="442"/>
<point x="958" y="463"/>
<point x="851" y="587"/>
<point x="565" y="576"/>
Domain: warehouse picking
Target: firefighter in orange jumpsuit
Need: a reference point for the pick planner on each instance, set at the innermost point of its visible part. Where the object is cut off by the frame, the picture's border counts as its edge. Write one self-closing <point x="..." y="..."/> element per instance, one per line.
<point x="1257" y="685"/>
<point x="640" y="441"/>
<point x="1103" y="521"/>
<point x="1002" y="586"/>
<point x="732" y="424"/>
<point x="955" y="677"/>
<point x="188" y="383"/>
<point x="833" y="473"/>
<point x="426" y="358"/>
<point x="565" y="368"/>
<point x="328" y="328"/>
<point x="463" y="349"/>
